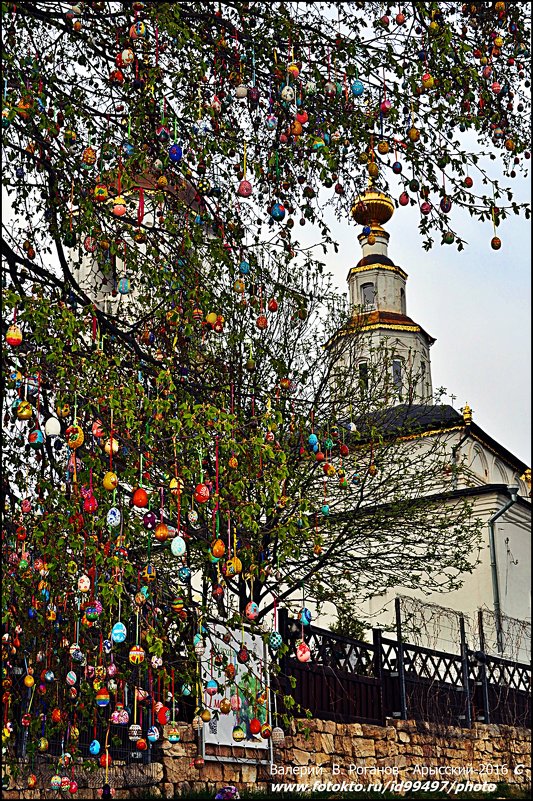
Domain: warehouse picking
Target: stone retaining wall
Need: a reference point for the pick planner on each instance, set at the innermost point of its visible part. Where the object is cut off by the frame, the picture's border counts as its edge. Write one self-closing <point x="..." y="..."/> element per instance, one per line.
<point x="335" y="752"/>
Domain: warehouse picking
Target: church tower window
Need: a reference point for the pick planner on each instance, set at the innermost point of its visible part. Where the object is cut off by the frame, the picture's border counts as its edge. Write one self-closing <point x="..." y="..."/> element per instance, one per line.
<point x="368" y="295"/>
<point x="397" y="377"/>
<point x="363" y="376"/>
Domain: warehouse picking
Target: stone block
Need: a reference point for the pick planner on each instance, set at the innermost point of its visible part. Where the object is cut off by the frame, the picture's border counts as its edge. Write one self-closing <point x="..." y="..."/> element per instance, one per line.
<point x="301" y="757"/>
<point x="329" y="727"/>
<point x="363" y="748"/>
<point x="212" y="772"/>
<point x="177" y="750"/>
<point x="248" y="774"/>
<point x="356" y="730"/>
<point x="403" y="736"/>
<point x="382" y="748"/>
<point x="326" y="743"/>
<point x="231" y="773"/>
<point x="179" y="770"/>
<point x="374" y="732"/>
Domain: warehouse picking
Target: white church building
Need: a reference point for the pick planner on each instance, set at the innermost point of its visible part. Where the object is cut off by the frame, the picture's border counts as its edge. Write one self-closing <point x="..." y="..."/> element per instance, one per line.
<point x="497" y="483"/>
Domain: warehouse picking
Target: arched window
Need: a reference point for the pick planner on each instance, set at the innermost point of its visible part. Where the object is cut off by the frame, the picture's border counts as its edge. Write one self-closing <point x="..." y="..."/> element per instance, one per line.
<point x="368" y="295"/>
<point x="363" y="376"/>
<point x="397" y="377"/>
<point x="402" y="301"/>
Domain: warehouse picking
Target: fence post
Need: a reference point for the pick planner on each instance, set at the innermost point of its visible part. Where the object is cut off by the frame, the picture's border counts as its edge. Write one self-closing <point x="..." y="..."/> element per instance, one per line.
<point x="401" y="664"/>
<point x="466" y="682"/>
<point x="378" y="669"/>
<point x="483" y="670"/>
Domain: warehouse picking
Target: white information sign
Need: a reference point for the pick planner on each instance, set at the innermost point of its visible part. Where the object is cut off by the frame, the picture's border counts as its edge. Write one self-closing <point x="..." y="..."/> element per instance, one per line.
<point x="246" y="691"/>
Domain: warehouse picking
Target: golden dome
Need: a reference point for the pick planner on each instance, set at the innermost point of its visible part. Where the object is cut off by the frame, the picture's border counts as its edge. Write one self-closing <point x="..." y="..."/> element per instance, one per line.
<point x="372" y="208"/>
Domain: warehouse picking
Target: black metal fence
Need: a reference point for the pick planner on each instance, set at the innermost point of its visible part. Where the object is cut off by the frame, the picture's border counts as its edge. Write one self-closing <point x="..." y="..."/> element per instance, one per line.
<point x="350" y="681"/>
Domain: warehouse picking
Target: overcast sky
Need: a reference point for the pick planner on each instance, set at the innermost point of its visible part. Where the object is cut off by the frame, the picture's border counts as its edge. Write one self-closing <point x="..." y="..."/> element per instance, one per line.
<point x="477" y="304"/>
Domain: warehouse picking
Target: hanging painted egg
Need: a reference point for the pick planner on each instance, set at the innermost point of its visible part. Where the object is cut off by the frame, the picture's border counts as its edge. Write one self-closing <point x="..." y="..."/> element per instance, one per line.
<point x="52" y="427"/>
<point x="255" y="726"/>
<point x="150" y="520"/>
<point x="119" y="632"/>
<point x="305" y="616"/>
<point x="293" y="69"/>
<point x="241" y="92"/>
<point x="277" y="212"/>
<point x="238" y="734"/>
<point x="175" y="153"/>
<point x="495" y="243"/>
<point x="14" y="336"/>
<point x="136" y="655"/>
<point x="244" y="189"/>
<point x="94" y="747"/>
<point x="287" y="94"/>
<point x="197" y="723"/>
<point x="243" y="655"/>
<point x="445" y="205"/>
<point x="404" y="199"/>
<point x="201" y="493"/>
<point x="397" y="167"/>
<point x="252" y="610"/>
<point x="134" y="732"/>
<point x="173" y="734"/>
<point x="152" y="734"/>
<point x="275" y="640"/>
<point x="178" y="546"/>
<point x="148" y="573"/>
<point x="36" y="438"/>
<point x="74" y="436"/>
<point x="218" y="548"/>
<point x="140" y="498"/>
<point x="90" y="504"/>
<point x="161" y="532"/>
<point x="271" y="122"/>
<point x="413" y="134"/>
<point x="357" y="88"/>
<point x="303" y="652"/>
<point x="262" y="322"/>
<point x="138" y="30"/>
<point x="211" y="687"/>
<point x="113" y="517"/>
<point x="426" y="207"/>
<point x="102" y="697"/>
<point x="119" y="206"/>
<point x="162" y="133"/>
<point x="110" y="481"/>
<point x="123" y="286"/>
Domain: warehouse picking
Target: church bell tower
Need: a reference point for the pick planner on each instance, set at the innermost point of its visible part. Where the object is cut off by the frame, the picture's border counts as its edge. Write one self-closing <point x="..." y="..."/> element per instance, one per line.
<point x="377" y="297"/>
